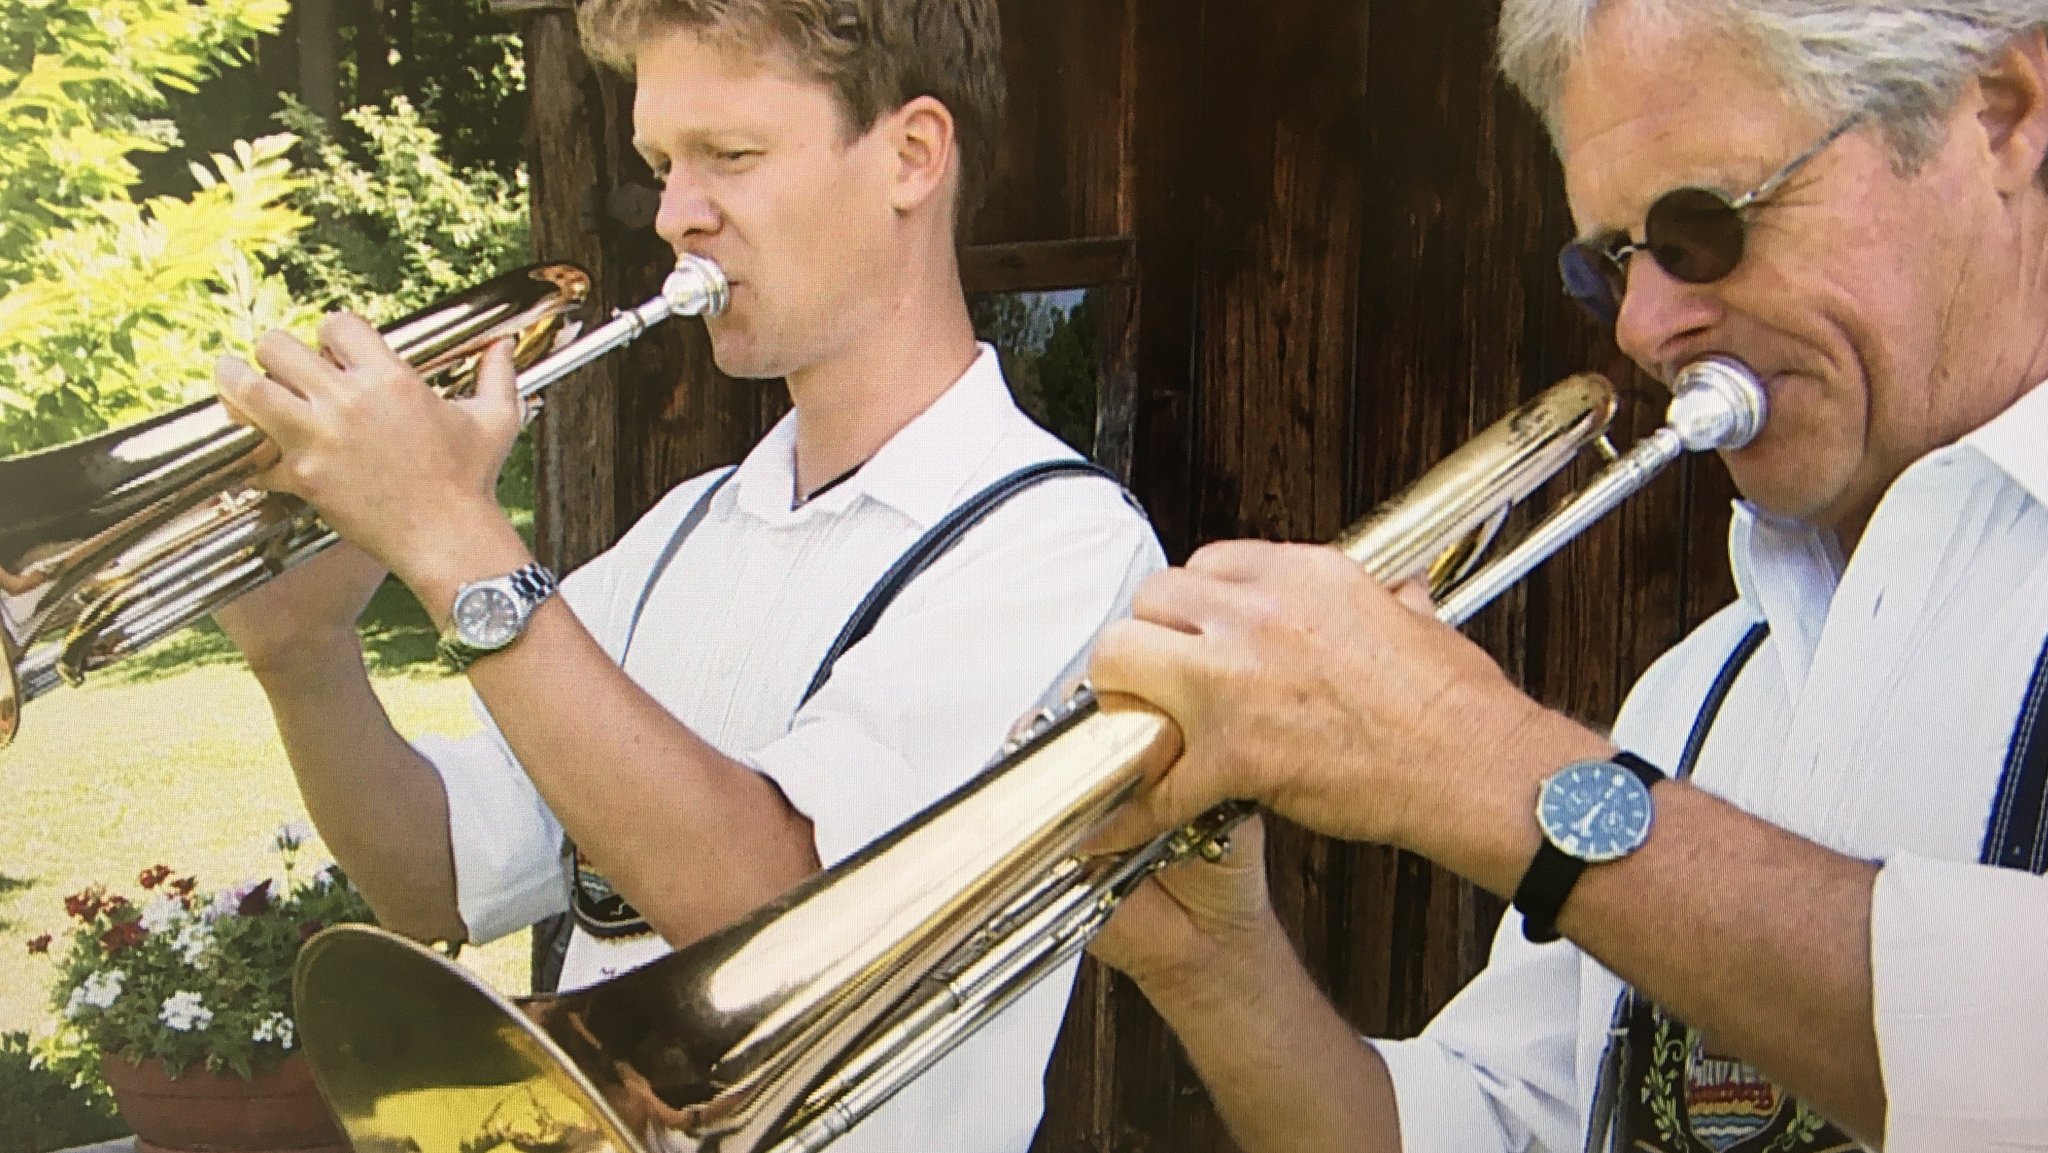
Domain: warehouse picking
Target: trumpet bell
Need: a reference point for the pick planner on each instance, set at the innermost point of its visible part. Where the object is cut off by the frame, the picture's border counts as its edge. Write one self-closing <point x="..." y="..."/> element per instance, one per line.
<point x="410" y="1080"/>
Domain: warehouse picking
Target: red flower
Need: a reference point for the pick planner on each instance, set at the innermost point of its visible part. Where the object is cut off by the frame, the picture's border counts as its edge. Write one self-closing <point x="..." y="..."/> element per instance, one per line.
<point x="255" y="902"/>
<point x="121" y="937"/>
<point x="39" y="944"/>
<point x="183" y="886"/>
<point x="116" y="905"/>
<point x="153" y="876"/>
<point x="86" y="904"/>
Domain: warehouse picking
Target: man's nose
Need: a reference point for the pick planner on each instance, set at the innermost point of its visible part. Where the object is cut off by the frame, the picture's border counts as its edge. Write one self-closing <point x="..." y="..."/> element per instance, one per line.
<point x="686" y="211"/>
<point x="1660" y="313"/>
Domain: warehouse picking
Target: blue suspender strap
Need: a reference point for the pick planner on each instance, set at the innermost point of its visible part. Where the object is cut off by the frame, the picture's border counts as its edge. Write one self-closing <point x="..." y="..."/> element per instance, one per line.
<point x="937" y="543"/>
<point x="1717" y="696"/>
<point x="2017" y="837"/>
<point x="684" y="528"/>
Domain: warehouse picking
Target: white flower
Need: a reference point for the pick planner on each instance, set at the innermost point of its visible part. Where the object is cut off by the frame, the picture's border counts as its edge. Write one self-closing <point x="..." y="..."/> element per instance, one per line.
<point x="292" y="835"/>
<point x="97" y="991"/>
<point x="192" y="941"/>
<point x="276" y="1027"/>
<point x="184" y="1011"/>
<point x="161" y="914"/>
<point x="102" y="988"/>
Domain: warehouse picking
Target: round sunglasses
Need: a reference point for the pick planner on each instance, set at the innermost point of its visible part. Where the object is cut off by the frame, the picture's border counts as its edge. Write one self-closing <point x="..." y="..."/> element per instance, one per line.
<point x="1698" y="235"/>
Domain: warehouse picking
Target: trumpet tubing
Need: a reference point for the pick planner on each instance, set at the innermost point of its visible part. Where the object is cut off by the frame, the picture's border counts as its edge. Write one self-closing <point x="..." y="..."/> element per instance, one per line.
<point x="781" y="1032"/>
<point x="114" y="542"/>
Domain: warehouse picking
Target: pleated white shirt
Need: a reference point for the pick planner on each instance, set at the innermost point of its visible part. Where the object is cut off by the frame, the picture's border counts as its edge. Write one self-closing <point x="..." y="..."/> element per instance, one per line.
<point x="734" y="631"/>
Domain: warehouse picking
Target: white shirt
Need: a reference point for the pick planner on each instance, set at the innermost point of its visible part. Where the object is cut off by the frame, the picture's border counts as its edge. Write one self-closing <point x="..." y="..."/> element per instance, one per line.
<point x="1875" y="721"/>
<point x="739" y="623"/>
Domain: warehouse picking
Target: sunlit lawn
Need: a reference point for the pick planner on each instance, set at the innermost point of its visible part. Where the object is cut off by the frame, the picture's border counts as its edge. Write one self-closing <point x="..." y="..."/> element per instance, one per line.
<point x="179" y="765"/>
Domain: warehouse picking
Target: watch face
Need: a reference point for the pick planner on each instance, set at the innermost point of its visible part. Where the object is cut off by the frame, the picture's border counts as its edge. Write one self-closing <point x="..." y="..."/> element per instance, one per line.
<point x="1595" y="811"/>
<point x="487" y="617"/>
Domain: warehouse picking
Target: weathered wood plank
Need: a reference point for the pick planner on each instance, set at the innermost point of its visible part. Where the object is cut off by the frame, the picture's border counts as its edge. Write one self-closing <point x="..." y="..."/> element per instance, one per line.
<point x="1048" y="265"/>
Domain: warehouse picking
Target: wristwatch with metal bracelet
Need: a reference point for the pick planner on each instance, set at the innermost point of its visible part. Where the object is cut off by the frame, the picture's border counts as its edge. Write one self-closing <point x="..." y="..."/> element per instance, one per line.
<point x="1591" y="812"/>
<point x="490" y="614"/>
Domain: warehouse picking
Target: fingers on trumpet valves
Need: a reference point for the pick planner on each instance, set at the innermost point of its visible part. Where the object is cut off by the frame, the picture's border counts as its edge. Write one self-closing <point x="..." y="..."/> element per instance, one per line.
<point x="351" y="342"/>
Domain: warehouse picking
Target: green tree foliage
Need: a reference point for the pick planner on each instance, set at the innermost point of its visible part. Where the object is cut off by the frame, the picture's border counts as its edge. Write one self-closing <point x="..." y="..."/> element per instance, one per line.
<point x="78" y="82"/>
<point x="110" y="306"/>
<point x="120" y="286"/>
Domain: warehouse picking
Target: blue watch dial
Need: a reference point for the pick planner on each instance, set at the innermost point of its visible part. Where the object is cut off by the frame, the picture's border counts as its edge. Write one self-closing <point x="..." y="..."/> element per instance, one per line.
<point x="1595" y="811"/>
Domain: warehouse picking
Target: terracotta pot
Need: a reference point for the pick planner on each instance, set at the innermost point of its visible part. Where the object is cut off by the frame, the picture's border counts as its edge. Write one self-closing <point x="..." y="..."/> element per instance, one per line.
<point x="202" y="1112"/>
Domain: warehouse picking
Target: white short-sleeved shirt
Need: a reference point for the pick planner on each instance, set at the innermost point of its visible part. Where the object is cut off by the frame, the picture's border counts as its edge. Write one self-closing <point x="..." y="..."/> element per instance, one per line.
<point x="736" y="628"/>
<point x="1875" y="720"/>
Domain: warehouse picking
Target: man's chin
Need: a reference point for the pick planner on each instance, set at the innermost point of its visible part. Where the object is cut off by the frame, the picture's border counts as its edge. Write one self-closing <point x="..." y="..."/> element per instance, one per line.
<point x="743" y="363"/>
<point x="1785" y="493"/>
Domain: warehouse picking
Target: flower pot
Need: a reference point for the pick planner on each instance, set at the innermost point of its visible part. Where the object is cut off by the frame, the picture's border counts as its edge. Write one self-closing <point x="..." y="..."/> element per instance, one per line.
<point x="202" y="1112"/>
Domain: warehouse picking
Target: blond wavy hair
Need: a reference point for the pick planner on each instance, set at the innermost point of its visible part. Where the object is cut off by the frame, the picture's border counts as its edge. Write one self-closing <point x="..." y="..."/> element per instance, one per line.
<point x="875" y="55"/>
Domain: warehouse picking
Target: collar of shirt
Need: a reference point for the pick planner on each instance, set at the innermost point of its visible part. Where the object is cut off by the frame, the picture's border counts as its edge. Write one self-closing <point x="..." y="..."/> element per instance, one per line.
<point x="2017" y="442"/>
<point x="1788" y="571"/>
<point x="918" y="472"/>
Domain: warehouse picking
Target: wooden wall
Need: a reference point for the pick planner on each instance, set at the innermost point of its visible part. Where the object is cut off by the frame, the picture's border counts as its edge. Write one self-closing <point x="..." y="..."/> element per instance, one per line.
<point x="1328" y="233"/>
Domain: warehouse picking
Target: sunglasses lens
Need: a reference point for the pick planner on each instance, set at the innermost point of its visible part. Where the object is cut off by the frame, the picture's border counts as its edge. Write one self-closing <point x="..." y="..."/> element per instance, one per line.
<point x="1592" y="278"/>
<point x="1695" y="234"/>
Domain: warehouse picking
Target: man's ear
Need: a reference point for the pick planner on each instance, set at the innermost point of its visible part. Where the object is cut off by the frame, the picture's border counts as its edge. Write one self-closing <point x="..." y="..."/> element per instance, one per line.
<point x="923" y="135"/>
<point x="2015" y="111"/>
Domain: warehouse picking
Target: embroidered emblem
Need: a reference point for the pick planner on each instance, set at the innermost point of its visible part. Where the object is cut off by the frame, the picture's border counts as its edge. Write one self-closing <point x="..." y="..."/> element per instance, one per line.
<point x="598" y="907"/>
<point x="1679" y="1097"/>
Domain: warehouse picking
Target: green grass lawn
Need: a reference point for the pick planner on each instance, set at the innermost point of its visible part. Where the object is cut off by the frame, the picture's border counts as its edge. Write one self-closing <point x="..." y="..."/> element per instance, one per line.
<point x="176" y="761"/>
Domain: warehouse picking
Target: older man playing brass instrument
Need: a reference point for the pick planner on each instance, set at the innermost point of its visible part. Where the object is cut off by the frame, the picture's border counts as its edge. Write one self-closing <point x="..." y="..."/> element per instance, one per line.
<point x="1830" y="931"/>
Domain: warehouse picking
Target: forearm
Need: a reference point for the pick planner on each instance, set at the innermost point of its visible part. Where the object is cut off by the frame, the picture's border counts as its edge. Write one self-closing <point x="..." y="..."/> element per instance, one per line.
<point x="378" y="804"/>
<point x="1786" y="984"/>
<point x="1285" y="1071"/>
<point x="693" y="838"/>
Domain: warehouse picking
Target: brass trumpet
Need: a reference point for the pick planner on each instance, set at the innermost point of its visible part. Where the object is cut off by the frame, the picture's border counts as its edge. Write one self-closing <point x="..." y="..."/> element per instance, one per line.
<point x="783" y="1031"/>
<point x="112" y="543"/>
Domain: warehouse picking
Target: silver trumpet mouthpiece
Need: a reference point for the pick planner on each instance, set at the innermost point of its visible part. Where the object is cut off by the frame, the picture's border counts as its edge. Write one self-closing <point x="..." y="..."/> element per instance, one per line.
<point x="1717" y="403"/>
<point x="696" y="288"/>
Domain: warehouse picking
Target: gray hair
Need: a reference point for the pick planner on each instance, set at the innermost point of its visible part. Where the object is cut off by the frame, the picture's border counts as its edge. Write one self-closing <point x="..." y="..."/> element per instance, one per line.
<point x="1902" y="63"/>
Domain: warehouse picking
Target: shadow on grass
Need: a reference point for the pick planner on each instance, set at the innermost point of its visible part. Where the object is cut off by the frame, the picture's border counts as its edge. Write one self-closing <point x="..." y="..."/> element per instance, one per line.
<point x="397" y="634"/>
<point x="8" y="887"/>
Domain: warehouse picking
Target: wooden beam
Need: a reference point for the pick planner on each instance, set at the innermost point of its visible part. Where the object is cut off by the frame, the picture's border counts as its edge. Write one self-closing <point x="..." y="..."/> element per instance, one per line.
<point x="1049" y="265"/>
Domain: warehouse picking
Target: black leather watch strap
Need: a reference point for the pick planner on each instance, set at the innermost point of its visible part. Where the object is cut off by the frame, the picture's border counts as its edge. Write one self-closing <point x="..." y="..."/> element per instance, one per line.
<point x="1553" y="874"/>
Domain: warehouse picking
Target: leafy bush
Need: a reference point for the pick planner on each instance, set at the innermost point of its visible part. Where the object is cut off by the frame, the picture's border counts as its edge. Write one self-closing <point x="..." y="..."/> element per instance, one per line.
<point x="47" y="1101"/>
<point x="395" y="224"/>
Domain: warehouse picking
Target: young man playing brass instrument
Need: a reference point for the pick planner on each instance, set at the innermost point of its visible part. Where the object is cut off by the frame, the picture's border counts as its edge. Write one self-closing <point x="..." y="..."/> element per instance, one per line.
<point x="667" y="714"/>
